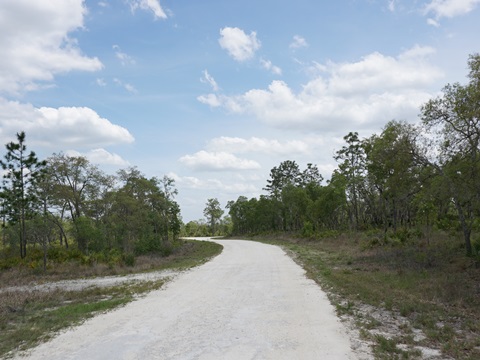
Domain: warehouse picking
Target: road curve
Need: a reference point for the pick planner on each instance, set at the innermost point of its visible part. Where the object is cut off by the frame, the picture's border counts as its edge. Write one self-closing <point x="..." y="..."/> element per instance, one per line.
<point x="250" y="302"/>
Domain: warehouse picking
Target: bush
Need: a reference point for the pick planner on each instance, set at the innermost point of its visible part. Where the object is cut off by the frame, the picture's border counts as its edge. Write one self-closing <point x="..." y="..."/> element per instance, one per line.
<point x="129" y="259"/>
<point x="307" y="230"/>
<point x="57" y="254"/>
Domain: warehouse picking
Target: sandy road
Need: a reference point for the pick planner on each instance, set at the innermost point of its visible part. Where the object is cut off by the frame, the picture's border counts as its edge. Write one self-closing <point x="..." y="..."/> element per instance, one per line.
<point x="250" y="302"/>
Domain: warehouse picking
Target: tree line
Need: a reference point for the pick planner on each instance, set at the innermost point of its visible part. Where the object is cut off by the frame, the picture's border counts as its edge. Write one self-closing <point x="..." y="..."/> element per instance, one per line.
<point x="406" y="178"/>
<point x="66" y="199"/>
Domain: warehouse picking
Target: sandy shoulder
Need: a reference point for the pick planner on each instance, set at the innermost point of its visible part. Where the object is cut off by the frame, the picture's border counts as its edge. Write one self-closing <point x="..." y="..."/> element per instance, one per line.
<point x="250" y="302"/>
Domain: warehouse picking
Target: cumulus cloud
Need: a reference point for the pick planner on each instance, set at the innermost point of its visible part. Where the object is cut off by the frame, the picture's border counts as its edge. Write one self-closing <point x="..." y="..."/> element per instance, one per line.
<point x="450" y="8"/>
<point x="365" y="93"/>
<point x="238" y="145"/>
<point x="217" y="161"/>
<point x="100" y="157"/>
<point x="212" y="100"/>
<point x="191" y="182"/>
<point x="238" y="44"/>
<point x="36" y="43"/>
<point x="149" y="5"/>
<point x="65" y="127"/>
<point x="298" y="42"/>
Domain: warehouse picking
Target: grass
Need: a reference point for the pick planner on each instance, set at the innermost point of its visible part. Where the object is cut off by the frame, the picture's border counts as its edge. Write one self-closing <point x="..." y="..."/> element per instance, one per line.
<point x="29" y="317"/>
<point x="431" y="288"/>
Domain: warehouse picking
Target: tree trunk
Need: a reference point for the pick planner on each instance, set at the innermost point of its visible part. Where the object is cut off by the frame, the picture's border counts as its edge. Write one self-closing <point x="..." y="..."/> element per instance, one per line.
<point x="466" y="228"/>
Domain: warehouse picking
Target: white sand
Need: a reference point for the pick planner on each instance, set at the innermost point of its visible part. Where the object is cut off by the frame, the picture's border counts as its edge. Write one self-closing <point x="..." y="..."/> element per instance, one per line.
<point x="250" y="302"/>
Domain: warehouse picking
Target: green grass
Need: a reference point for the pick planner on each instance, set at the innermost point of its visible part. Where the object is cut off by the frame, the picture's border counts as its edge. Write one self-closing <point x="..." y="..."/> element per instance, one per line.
<point x="434" y="287"/>
<point x="27" y="318"/>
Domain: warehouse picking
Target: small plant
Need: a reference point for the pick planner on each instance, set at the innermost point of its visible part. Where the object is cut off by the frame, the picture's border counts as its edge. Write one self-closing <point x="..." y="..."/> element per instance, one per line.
<point x="129" y="259"/>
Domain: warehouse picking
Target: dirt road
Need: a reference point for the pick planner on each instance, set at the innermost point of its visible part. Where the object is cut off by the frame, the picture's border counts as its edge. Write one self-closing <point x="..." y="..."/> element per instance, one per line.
<point x="250" y="302"/>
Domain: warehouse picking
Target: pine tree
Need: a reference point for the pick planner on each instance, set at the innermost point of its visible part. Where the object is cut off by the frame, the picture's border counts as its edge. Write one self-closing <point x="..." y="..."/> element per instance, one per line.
<point x="20" y="186"/>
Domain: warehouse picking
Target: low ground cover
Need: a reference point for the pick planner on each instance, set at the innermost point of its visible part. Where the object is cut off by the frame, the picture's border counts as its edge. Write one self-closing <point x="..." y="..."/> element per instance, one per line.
<point x="28" y="317"/>
<point x="409" y="299"/>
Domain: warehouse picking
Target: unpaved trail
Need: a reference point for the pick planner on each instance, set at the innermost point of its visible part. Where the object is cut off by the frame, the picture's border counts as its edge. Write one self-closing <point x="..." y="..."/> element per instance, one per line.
<point x="250" y="302"/>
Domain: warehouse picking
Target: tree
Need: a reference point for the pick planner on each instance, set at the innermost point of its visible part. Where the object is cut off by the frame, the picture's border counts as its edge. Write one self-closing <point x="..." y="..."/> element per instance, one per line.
<point x="77" y="185"/>
<point x="287" y="173"/>
<point x="352" y="166"/>
<point x="394" y="172"/>
<point x="23" y="172"/>
<point x="454" y="120"/>
<point x="213" y="213"/>
<point x="172" y="210"/>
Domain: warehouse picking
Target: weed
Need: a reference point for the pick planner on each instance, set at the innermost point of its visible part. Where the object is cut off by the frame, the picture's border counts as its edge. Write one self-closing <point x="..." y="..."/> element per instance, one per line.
<point x="424" y="283"/>
<point x="28" y="317"/>
<point x="345" y="308"/>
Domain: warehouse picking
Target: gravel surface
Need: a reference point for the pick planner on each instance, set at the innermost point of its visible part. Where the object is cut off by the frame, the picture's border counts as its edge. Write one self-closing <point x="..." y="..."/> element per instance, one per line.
<point x="250" y="302"/>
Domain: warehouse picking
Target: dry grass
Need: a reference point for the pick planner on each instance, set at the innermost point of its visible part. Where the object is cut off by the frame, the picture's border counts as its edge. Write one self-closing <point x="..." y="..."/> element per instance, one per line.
<point x="396" y="289"/>
<point x="27" y="317"/>
<point x="188" y="254"/>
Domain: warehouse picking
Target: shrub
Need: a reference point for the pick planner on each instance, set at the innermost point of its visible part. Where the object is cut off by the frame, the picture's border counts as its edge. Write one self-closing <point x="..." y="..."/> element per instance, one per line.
<point x="129" y="259"/>
<point x="307" y="230"/>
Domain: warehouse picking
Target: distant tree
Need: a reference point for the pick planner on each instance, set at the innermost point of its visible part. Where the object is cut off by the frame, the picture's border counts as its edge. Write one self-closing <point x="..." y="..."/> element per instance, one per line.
<point x="213" y="213"/>
<point x="394" y="172"/>
<point x="351" y="160"/>
<point x="287" y="173"/>
<point x="77" y="185"/>
<point x="23" y="172"/>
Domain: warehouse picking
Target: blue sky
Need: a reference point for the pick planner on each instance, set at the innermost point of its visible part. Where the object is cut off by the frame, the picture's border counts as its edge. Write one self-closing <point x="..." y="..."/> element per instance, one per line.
<point x="216" y="93"/>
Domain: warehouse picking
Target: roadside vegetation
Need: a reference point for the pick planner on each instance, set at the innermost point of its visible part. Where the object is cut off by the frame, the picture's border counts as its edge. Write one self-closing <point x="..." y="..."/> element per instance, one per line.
<point x="408" y="301"/>
<point x="28" y="317"/>
<point x="393" y="234"/>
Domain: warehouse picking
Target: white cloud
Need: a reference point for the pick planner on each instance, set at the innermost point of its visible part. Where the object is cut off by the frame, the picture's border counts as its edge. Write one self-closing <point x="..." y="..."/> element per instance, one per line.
<point x="238" y="145"/>
<point x="101" y="157"/>
<point x="391" y="5"/>
<point x="238" y="44"/>
<point x="267" y="64"/>
<point x="450" y="8"/>
<point x="191" y="182"/>
<point x="130" y="88"/>
<point x="211" y="99"/>
<point x="298" y="42"/>
<point x="148" y="5"/>
<point x="101" y="82"/>
<point x="124" y="58"/>
<point x="217" y="161"/>
<point x="65" y="127"/>
<point x="365" y="93"/>
<point x="36" y="44"/>
<point x="208" y="79"/>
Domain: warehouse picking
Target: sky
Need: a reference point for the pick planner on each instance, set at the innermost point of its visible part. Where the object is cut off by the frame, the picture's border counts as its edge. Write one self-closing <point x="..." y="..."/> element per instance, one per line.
<point x="215" y="93"/>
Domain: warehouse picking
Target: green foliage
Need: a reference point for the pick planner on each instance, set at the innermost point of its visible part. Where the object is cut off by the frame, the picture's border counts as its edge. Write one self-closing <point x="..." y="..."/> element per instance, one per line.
<point x="153" y="245"/>
<point x="403" y="183"/>
<point x="307" y="230"/>
<point x="129" y="259"/>
<point x="19" y="194"/>
<point x="213" y="213"/>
